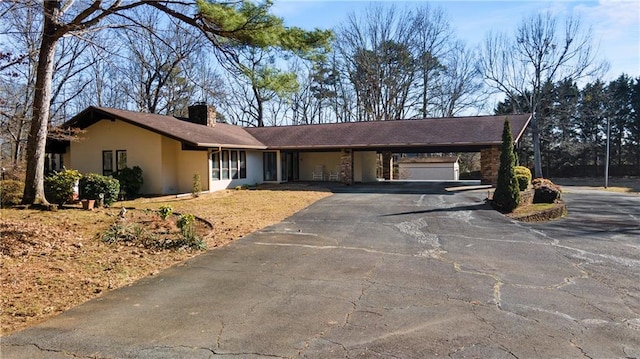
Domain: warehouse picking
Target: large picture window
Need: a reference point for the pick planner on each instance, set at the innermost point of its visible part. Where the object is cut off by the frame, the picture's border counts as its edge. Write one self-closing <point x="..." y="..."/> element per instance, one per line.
<point x="243" y="164"/>
<point x="234" y="165"/>
<point x="225" y="164"/>
<point x="107" y="163"/>
<point x="215" y="166"/>
<point x="228" y="164"/>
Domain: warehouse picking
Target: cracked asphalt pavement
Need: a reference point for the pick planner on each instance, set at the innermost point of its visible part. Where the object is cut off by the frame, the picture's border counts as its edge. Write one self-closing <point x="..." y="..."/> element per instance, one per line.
<point x="386" y="271"/>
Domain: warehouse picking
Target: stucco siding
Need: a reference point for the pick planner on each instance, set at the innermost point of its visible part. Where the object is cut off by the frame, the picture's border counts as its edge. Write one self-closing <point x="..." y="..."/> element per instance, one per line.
<point x="254" y="167"/>
<point x="143" y="149"/>
<point x="365" y="164"/>
<point x="309" y="160"/>
<point x="254" y="173"/>
<point x="189" y="164"/>
<point x="170" y="149"/>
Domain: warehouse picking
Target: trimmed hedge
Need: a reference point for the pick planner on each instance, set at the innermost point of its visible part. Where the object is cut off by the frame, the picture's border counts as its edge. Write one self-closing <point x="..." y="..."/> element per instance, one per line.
<point x="130" y="181"/>
<point x="59" y="187"/>
<point x="523" y="176"/>
<point x="545" y="191"/>
<point x="92" y="185"/>
<point x="11" y="192"/>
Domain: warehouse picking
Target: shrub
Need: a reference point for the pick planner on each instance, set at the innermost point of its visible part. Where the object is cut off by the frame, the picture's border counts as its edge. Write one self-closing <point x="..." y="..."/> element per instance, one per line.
<point x="523" y="176"/>
<point x="130" y="181"/>
<point x="197" y="186"/>
<point x="92" y="185"/>
<point x="189" y="237"/>
<point x="11" y="192"/>
<point x="165" y="212"/>
<point x="545" y="191"/>
<point x="59" y="187"/>
<point x="507" y="194"/>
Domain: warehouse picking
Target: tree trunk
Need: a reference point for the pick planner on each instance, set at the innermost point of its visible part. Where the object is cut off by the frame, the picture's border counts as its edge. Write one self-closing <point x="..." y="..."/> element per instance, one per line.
<point x="34" y="181"/>
<point x="537" y="158"/>
<point x="259" y="118"/>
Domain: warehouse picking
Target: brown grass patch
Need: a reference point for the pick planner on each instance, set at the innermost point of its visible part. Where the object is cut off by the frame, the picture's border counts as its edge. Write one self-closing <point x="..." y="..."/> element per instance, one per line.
<point x="52" y="261"/>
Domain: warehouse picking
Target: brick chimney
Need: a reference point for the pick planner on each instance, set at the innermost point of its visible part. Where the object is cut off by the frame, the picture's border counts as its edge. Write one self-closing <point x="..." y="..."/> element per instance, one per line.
<point x="202" y="114"/>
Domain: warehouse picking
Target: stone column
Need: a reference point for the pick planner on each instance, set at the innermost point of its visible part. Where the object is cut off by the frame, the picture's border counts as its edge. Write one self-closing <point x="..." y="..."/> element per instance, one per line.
<point x="387" y="165"/>
<point x="346" y="166"/>
<point x="489" y="165"/>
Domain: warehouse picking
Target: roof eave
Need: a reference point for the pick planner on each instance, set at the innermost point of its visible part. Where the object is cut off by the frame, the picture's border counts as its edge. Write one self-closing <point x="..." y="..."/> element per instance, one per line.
<point x="232" y="146"/>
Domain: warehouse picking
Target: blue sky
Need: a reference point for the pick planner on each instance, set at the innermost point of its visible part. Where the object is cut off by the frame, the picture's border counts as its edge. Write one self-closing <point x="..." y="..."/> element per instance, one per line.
<point x="615" y="24"/>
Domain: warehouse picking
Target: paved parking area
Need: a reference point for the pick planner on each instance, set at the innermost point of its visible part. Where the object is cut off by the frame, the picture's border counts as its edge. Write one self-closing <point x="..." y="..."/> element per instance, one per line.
<point x="386" y="271"/>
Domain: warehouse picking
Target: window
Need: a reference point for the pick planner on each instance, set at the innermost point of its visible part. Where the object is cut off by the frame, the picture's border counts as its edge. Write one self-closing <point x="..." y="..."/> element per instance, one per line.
<point x="225" y="164"/>
<point x="121" y="160"/>
<point x="215" y="166"/>
<point x="270" y="166"/>
<point x="228" y="164"/>
<point x="234" y="165"/>
<point x="243" y="164"/>
<point x="107" y="163"/>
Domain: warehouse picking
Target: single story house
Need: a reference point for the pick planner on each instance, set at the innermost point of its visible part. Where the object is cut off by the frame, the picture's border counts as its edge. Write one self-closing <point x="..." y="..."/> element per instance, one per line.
<point x="171" y="150"/>
<point x="440" y="168"/>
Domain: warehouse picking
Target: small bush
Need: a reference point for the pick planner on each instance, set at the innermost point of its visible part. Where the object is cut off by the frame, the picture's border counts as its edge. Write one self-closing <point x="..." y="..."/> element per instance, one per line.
<point x="165" y="212"/>
<point x="545" y="191"/>
<point x="189" y="237"/>
<point x="92" y="185"/>
<point x="59" y="187"/>
<point x="11" y="192"/>
<point x="197" y="186"/>
<point x="130" y="181"/>
<point x="523" y="176"/>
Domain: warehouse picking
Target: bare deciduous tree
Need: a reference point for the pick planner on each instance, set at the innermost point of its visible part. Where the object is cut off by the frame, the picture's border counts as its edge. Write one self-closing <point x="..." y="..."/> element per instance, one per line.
<point x="539" y="52"/>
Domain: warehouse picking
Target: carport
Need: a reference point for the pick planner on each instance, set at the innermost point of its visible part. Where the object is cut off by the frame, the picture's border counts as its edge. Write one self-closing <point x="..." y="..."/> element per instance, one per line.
<point x="352" y="148"/>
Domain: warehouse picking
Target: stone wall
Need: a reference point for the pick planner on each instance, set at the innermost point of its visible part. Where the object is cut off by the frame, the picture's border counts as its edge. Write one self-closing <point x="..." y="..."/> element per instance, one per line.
<point x="387" y="165"/>
<point x="346" y="166"/>
<point x="489" y="165"/>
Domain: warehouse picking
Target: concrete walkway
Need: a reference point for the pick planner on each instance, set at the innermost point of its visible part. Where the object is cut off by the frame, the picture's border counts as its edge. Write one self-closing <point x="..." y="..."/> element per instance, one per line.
<point x="387" y="271"/>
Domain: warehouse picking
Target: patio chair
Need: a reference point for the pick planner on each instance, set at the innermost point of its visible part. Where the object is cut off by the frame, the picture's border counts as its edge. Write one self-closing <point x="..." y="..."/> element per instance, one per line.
<point x="335" y="176"/>
<point x="318" y="173"/>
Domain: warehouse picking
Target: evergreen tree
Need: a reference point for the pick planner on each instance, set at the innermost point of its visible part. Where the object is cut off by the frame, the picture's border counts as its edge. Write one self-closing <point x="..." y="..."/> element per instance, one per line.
<point x="507" y="194"/>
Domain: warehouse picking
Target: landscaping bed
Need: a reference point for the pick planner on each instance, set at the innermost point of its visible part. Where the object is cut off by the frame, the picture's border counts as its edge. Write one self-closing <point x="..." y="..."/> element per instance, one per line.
<point x="539" y="212"/>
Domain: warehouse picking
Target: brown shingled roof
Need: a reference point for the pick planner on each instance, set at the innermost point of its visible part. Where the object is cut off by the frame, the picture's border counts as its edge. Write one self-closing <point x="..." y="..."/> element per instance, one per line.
<point x="190" y="133"/>
<point x="434" y="132"/>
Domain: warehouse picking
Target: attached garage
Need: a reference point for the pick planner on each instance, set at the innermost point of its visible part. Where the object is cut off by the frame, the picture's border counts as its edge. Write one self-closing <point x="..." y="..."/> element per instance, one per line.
<point x="429" y="168"/>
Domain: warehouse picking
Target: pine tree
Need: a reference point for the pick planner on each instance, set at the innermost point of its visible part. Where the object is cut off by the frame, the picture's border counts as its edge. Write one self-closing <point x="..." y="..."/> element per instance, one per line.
<point x="507" y="194"/>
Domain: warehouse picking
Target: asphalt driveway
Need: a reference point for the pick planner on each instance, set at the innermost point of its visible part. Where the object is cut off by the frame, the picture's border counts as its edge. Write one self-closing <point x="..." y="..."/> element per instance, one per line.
<point x="387" y="271"/>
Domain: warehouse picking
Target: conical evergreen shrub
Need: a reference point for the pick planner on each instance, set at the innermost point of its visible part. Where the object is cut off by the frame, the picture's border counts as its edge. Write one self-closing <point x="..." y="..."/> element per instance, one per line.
<point x="507" y="194"/>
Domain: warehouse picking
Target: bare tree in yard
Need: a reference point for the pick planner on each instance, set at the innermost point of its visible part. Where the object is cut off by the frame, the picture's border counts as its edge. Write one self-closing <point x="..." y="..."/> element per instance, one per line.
<point x="540" y="52"/>
<point x="459" y="84"/>
<point x="219" y="22"/>
<point x="432" y="33"/>
<point x="376" y="49"/>
<point x="17" y="74"/>
<point x="158" y="62"/>
<point x="60" y="18"/>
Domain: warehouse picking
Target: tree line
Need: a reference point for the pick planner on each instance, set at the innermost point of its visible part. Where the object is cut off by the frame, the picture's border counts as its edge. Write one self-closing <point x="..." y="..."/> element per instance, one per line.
<point x="384" y="63"/>
<point x="575" y="123"/>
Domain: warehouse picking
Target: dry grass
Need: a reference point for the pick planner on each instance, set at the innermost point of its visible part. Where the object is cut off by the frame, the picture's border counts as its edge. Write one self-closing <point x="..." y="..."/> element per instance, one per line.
<point x="52" y="261"/>
<point x="615" y="184"/>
